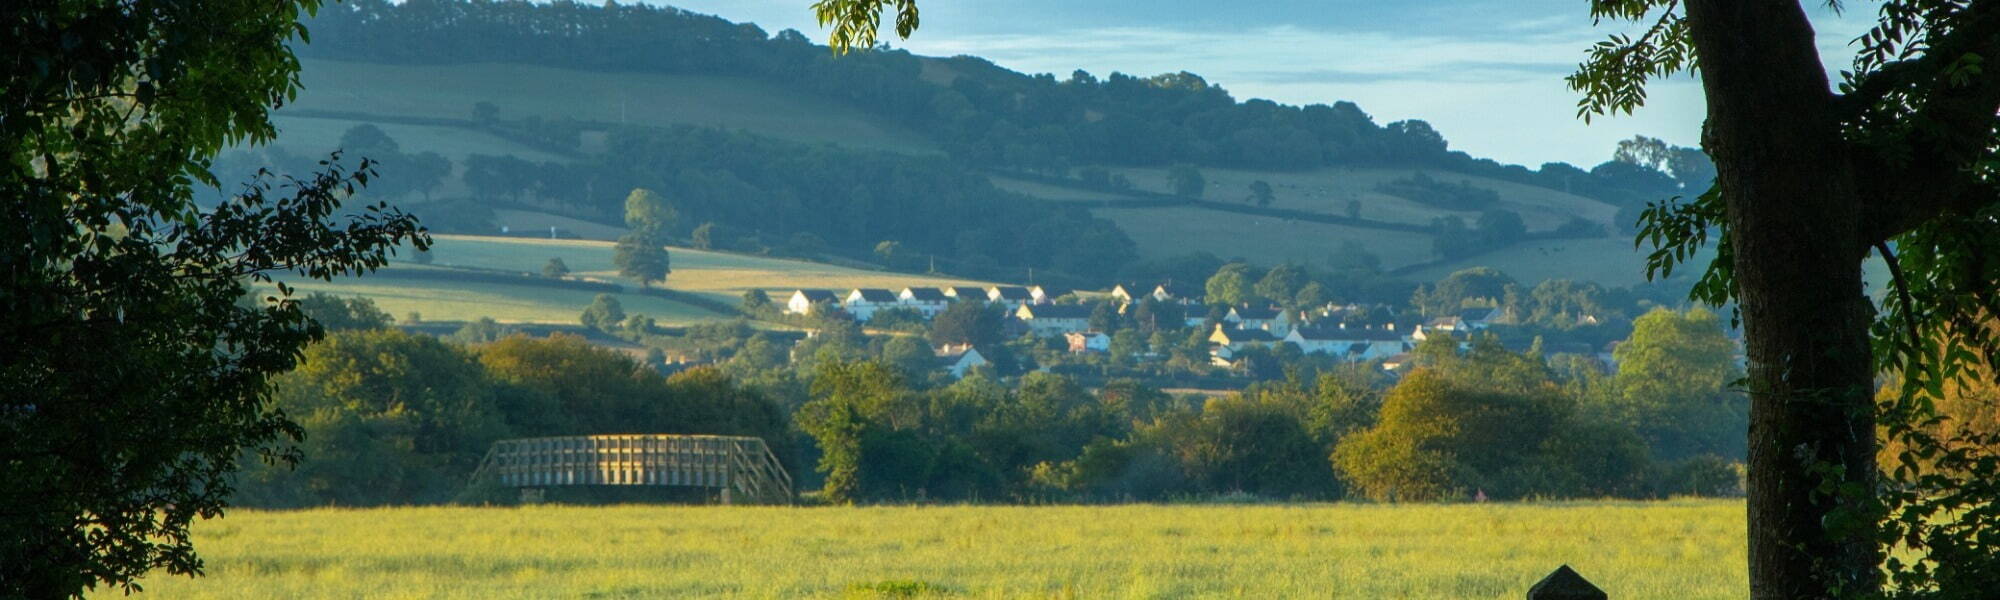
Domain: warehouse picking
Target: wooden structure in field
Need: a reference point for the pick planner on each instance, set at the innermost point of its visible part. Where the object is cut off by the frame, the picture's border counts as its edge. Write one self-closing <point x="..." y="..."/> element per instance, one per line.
<point x="743" y="468"/>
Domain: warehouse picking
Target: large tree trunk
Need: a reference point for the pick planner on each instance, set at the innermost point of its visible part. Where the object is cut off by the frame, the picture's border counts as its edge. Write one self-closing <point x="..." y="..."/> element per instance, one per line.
<point x="1794" y="216"/>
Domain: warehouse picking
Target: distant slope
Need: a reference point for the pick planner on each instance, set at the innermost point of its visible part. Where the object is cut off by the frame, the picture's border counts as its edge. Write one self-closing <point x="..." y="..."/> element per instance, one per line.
<point x="450" y="91"/>
<point x="1328" y="190"/>
<point x="1163" y="232"/>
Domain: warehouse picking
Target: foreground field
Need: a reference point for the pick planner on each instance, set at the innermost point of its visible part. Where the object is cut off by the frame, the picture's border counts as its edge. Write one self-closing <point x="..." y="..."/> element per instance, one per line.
<point x="1659" y="550"/>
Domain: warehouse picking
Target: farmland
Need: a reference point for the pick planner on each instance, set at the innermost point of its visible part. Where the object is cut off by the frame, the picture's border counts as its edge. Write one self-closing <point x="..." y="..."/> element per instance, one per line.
<point x="1680" y="549"/>
<point x="720" y="276"/>
<point x="450" y="91"/>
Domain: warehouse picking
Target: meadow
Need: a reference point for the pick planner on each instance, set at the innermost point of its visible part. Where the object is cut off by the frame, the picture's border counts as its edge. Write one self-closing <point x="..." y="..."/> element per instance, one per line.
<point x="717" y="275"/>
<point x="1680" y="549"/>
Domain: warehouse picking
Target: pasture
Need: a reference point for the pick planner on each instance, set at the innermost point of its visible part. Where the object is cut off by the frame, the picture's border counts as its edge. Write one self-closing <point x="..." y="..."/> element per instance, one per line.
<point x="1162" y="232"/>
<point x="717" y="275"/>
<point x="1328" y="190"/>
<point x="450" y="90"/>
<point x="1678" y="550"/>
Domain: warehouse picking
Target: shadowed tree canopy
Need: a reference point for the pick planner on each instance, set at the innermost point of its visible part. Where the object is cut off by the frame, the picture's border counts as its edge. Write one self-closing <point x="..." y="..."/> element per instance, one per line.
<point x="133" y="370"/>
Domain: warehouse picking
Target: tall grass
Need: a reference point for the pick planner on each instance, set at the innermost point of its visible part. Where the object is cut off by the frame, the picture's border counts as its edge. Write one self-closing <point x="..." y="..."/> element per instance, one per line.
<point x="1635" y="550"/>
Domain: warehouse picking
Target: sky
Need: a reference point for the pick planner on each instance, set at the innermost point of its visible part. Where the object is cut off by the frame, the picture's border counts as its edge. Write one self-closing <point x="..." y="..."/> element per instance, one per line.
<point x="1486" y="73"/>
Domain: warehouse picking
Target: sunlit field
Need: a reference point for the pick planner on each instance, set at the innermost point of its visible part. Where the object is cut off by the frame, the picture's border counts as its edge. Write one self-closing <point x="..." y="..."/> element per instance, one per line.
<point x="1634" y="550"/>
<point x="719" y="276"/>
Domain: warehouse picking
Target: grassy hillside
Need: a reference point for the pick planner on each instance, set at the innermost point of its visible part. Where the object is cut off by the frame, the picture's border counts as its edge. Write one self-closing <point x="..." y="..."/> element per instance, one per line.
<point x="1262" y="240"/>
<point x="449" y="91"/>
<point x="1329" y="190"/>
<point x="1679" y="550"/>
<point x="720" y="276"/>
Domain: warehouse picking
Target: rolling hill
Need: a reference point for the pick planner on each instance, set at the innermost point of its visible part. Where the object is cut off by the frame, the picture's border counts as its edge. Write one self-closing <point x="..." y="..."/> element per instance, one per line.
<point x="440" y="292"/>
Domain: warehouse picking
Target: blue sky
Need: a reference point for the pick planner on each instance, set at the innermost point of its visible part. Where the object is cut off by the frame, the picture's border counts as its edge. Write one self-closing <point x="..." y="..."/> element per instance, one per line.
<point x="1487" y="73"/>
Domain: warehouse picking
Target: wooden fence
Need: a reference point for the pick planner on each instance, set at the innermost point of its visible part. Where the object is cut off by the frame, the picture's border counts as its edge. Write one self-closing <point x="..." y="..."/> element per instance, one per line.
<point x="743" y="468"/>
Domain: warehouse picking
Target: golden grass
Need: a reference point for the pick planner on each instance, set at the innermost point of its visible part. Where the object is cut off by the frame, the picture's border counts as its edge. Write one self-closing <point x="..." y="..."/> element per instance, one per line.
<point x="717" y="275"/>
<point x="1635" y="550"/>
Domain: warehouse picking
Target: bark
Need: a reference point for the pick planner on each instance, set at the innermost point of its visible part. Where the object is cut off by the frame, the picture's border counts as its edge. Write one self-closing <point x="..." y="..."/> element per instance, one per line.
<point x="1795" y="218"/>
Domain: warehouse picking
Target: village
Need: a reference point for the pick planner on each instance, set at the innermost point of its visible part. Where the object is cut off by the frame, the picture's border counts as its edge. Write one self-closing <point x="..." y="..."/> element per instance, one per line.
<point x="1052" y="313"/>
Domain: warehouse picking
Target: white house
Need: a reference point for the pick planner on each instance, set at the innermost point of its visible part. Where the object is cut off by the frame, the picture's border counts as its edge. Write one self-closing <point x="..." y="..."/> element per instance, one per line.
<point x="1123" y="293"/>
<point x="1351" y="344"/>
<point x="1011" y="296"/>
<point x="1050" y="320"/>
<point x="958" y="293"/>
<point x="929" y="301"/>
<point x="1235" y="339"/>
<point x="1088" y="341"/>
<point x="863" y="302"/>
<point x="803" y="301"/>
<point x="958" y="359"/>
<point x="1276" y="321"/>
<point x="1045" y="295"/>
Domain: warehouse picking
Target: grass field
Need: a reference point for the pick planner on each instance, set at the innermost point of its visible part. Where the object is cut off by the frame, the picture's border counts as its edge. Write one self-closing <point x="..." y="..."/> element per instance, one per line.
<point x="1263" y="240"/>
<point x="1328" y="191"/>
<point x="449" y="91"/>
<point x="721" y="276"/>
<point x="1678" y="550"/>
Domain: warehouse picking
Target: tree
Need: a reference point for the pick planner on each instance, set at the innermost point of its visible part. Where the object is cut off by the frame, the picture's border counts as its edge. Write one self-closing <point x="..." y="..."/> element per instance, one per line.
<point x="124" y="301"/>
<point x="425" y="171"/>
<point x="703" y="237"/>
<point x="888" y="250"/>
<point x="1230" y="286"/>
<point x="368" y="140"/>
<point x="1809" y="181"/>
<point x="555" y="269"/>
<point x="334" y="313"/>
<point x="641" y="257"/>
<point x="1673" y="383"/>
<point x="755" y="301"/>
<point x="1281" y="284"/>
<point x="1186" y="181"/>
<point x="485" y="112"/>
<point x="648" y="214"/>
<point x="605" y="313"/>
<point x="1260" y="193"/>
<point x="967" y="322"/>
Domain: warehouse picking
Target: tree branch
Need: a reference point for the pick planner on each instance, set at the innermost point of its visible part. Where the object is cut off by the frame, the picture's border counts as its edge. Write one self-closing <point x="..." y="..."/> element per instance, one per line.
<point x="1944" y="102"/>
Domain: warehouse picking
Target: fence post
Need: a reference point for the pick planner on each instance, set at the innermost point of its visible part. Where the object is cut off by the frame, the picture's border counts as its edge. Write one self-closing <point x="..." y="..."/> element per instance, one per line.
<point x="1565" y="584"/>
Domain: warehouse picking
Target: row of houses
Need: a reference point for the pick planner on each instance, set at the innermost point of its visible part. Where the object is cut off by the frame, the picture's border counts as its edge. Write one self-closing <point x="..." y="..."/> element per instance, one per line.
<point x="863" y="303"/>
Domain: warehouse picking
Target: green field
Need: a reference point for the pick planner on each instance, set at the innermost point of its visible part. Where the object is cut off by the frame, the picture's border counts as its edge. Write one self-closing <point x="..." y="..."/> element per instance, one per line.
<point x="449" y="91"/>
<point x="1328" y="191"/>
<point x="1672" y="550"/>
<point x="1262" y="240"/>
<point x="717" y="275"/>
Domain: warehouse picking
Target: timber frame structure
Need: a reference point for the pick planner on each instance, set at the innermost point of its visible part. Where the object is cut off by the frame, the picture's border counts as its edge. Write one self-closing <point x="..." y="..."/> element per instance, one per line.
<point x="743" y="468"/>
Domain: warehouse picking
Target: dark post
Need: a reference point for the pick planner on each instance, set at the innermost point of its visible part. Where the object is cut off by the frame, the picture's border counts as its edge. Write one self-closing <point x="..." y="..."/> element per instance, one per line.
<point x="1565" y="584"/>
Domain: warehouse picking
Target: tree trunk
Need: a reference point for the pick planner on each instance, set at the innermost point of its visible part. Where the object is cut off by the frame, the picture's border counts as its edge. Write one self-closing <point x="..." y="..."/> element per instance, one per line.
<point x="1794" y="222"/>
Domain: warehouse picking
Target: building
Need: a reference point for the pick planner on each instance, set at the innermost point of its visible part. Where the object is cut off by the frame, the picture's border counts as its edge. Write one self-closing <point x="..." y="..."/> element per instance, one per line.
<point x="1011" y="296"/>
<point x="1474" y="319"/>
<point x="1081" y="342"/>
<point x="929" y="301"/>
<point x="965" y="293"/>
<point x="1046" y="295"/>
<point x="960" y="359"/>
<point x="803" y="302"/>
<point x="863" y="302"/>
<point x="1277" y="321"/>
<point x="1355" y="344"/>
<point x="1233" y="339"/>
<point x="1050" y="320"/>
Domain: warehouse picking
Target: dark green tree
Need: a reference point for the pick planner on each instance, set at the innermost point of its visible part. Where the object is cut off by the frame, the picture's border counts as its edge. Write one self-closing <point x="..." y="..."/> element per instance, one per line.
<point x="641" y="257"/>
<point x="968" y="322"/>
<point x="1260" y="193"/>
<point x="555" y="269"/>
<point x="605" y="313"/>
<point x="1186" y="181"/>
<point x="122" y="297"/>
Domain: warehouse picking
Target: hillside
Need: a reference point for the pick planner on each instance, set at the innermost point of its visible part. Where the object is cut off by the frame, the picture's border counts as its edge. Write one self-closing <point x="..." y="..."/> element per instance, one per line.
<point x="449" y="91"/>
<point x="439" y="292"/>
<point x="802" y="153"/>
